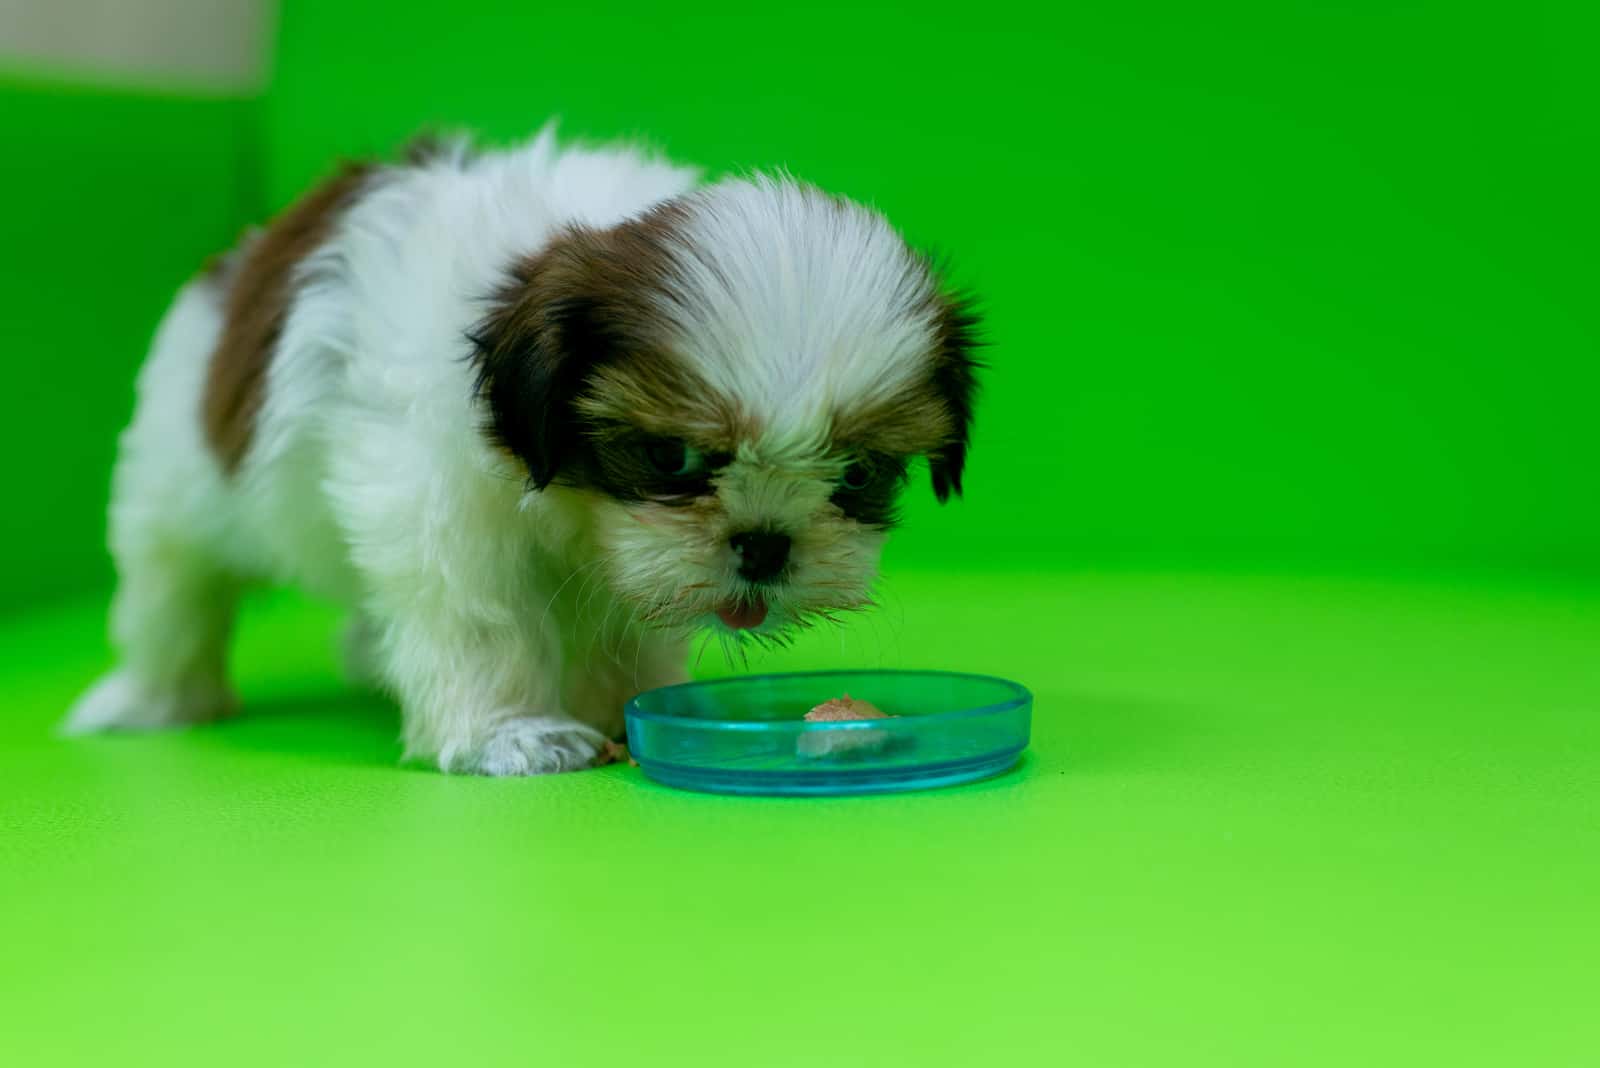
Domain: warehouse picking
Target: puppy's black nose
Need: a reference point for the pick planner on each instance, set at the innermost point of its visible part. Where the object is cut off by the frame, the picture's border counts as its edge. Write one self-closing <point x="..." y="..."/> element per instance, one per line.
<point x="762" y="554"/>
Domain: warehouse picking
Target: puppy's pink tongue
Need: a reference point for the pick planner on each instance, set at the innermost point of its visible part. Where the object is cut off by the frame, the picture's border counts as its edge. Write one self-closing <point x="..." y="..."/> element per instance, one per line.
<point x="742" y="615"/>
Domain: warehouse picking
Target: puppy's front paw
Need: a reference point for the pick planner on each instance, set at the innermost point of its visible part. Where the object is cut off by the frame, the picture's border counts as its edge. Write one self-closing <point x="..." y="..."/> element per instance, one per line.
<point x="538" y="745"/>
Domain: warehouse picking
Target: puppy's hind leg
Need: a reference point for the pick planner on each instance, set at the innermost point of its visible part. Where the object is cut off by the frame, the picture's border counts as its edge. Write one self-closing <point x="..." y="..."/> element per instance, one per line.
<point x="170" y="620"/>
<point x="175" y="601"/>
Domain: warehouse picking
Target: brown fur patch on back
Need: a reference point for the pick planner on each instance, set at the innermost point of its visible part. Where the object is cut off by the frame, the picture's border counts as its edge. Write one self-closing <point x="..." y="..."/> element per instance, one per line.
<point x="258" y="282"/>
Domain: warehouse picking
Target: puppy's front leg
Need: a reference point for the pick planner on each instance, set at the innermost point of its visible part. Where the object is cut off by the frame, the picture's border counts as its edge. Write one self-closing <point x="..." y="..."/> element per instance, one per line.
<point x="534" y="745"/>
<point x="484" y="700"/>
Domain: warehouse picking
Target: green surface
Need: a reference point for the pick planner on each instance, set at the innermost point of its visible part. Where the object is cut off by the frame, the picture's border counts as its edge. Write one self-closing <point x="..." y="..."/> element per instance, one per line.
<point x="109" y="200"/>
<point x="1265" y="821"/>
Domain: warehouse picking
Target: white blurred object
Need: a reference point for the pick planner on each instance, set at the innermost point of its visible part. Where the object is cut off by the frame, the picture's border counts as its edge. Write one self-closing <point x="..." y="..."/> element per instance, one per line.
<point x="218" y="45"/>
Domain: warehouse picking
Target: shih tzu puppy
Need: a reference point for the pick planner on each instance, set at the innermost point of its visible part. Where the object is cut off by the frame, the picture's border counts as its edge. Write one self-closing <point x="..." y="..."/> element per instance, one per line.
<point x="537" y="417"/>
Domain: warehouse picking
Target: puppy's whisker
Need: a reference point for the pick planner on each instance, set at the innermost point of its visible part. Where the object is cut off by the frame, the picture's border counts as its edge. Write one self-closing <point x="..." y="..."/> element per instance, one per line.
<point x="585" y="603"/>
<point x="603" y="633"/>
<point x="621" y="635"/>
<point x="638" y="653"/>
<point x="545" y="617"/>
<point x="895" y="623"/>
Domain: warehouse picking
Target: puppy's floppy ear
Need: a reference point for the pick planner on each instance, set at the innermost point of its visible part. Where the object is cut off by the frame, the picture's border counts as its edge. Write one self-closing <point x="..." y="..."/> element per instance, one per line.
<point x="955" y="379"/>
<point x="544" y="335"/>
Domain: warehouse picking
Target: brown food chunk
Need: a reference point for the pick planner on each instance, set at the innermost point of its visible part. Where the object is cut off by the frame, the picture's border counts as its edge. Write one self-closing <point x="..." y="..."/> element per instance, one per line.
<point x="844" y="708"/>
<point x="843" y="744"/>
<point x="612" y="753"/>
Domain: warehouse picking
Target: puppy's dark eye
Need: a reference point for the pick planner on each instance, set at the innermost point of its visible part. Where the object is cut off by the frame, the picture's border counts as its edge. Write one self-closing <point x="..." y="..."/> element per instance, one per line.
<point x="857" y="476"/>
<point x="675" y="458"/>
<point x="868" y="486"/>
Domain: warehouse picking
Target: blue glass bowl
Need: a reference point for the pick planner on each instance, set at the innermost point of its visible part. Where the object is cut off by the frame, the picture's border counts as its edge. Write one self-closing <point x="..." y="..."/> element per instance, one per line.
<point x="747" y="735"/>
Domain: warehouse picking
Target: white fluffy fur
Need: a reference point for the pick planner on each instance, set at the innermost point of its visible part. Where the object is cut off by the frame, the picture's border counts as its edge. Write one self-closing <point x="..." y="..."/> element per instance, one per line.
<point x="773" y="320"/>
<point x="505" y="620"/>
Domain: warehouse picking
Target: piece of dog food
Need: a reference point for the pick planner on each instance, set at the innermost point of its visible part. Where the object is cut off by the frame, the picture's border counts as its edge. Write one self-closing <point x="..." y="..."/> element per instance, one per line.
<point x="842" y="744"/>
<point x="843" y="708"/>
<point x="612" y="753"/>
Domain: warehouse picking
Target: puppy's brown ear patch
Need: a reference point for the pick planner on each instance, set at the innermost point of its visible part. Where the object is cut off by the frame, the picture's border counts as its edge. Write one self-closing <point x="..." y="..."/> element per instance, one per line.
<point x="259" y="282"/>
<point x="533" y="351"/>
<point x="563" y="314"/>
<point x="955" y="367"/>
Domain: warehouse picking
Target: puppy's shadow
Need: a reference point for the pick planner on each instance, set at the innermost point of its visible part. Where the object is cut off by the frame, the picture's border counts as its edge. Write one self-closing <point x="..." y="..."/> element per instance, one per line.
<point x="346" y="727"/>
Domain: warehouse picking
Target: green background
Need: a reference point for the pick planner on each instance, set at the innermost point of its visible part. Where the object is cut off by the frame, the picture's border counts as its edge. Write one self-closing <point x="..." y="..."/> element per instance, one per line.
<point x="1283" y="501"/>
<point x="1299" y="281"/>
<point x="108" y="202"/>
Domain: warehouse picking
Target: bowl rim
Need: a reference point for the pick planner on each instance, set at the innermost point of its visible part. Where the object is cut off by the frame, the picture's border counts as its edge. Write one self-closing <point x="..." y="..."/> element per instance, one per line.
<point x="1020" y="696"/>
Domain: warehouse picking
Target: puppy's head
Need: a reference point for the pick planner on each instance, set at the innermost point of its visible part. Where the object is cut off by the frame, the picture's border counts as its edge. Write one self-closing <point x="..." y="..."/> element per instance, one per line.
<point x="736" y="383"/>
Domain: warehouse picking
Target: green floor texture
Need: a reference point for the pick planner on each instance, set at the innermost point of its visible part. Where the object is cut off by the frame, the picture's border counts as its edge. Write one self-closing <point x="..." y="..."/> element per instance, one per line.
<point x="1264" y="821"/>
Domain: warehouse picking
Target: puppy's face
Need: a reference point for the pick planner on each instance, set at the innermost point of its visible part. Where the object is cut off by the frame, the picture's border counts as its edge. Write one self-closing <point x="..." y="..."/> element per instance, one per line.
<point x="736" y="382"/>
